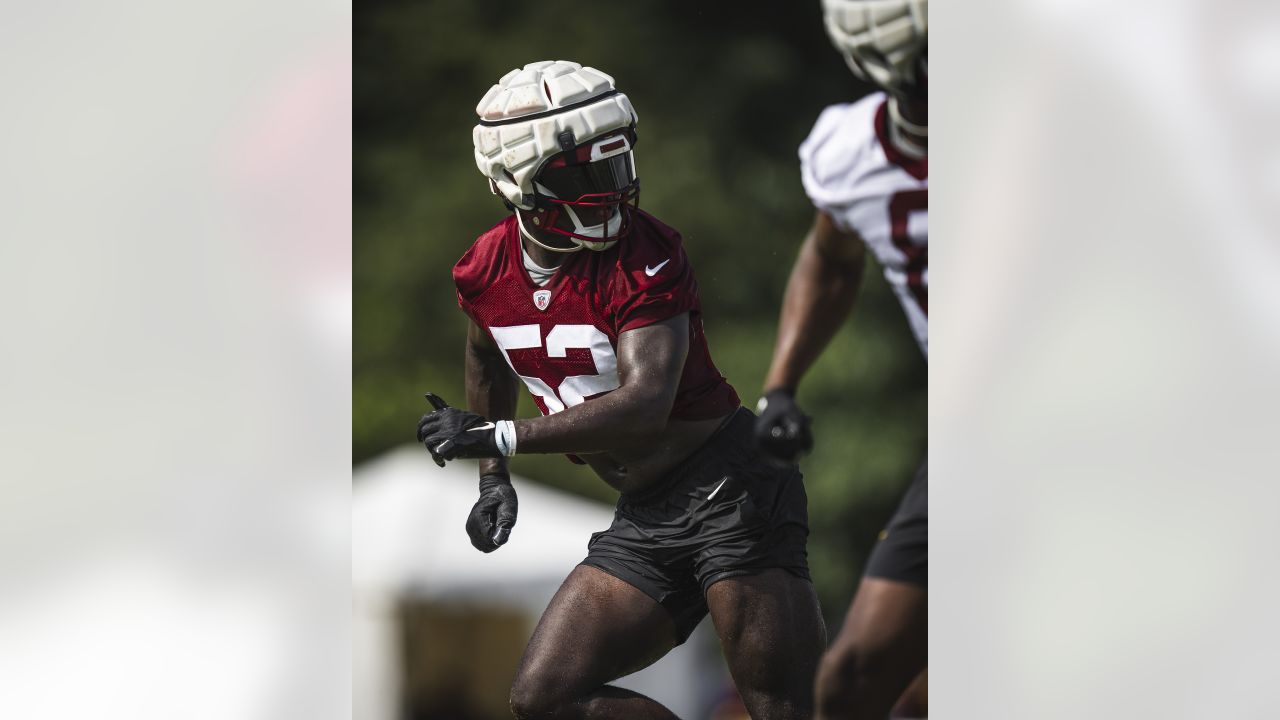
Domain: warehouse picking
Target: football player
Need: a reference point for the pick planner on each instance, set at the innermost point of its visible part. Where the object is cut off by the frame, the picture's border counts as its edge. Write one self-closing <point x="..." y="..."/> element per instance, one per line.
<point x="865" y="167"/>
<point x="591" y="303"/>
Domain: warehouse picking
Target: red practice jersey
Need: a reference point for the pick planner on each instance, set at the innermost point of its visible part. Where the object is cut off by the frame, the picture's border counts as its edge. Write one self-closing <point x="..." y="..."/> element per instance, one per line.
<point x="562" y="338"/>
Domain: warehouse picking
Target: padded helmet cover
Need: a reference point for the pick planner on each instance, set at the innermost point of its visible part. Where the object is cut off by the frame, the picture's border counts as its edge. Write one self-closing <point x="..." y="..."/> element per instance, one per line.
<point x="881" y="40"/>
<point x="525" y="116"/>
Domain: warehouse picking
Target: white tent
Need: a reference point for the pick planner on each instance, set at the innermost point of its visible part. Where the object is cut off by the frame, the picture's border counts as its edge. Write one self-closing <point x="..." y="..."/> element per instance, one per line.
<point x="409" y="542"/>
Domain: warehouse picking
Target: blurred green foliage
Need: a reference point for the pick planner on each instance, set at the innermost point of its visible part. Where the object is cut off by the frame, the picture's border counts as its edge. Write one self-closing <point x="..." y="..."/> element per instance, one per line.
<point x="725" y="92"/>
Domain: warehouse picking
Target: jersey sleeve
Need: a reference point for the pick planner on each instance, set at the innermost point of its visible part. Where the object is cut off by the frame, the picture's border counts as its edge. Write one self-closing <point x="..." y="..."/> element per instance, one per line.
<point x="653" y="283"/>
<point x="479" y="269"/>
<point x="831" y="154"/>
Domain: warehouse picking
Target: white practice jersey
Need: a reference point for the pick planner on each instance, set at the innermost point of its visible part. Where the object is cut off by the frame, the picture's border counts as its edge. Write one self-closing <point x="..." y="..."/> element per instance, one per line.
<point x="852" y="172"/>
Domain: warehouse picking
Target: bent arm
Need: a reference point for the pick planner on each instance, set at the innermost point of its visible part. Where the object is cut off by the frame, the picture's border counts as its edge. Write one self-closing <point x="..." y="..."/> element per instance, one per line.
<point x="492" y="388"/>
<point x="650" y="363"/>
<point x="819" y="297"/>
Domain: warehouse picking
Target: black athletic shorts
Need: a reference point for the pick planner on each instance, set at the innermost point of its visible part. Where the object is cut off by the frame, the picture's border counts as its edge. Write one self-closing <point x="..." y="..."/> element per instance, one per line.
<point x="902" y="553"/>
<point x="723" y="512"/>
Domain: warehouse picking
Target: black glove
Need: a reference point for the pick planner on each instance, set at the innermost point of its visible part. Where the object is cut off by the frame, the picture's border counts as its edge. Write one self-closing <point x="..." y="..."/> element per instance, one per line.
<point x="782" y="430"/>
<point x="494" y="514"/>
<point x="450" y="433"/>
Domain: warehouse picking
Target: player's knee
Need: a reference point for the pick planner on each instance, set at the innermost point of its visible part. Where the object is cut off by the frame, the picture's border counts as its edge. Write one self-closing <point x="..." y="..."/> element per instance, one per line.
<point x="527" y="704"/>
<point x="534" y="701"/>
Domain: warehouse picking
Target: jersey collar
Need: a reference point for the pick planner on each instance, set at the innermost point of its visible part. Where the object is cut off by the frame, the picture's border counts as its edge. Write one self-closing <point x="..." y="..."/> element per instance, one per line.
<point x="916" y="168"/>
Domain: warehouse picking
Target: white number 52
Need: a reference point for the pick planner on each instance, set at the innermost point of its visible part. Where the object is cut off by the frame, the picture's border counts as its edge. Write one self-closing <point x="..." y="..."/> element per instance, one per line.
<point x="575" y="388"/>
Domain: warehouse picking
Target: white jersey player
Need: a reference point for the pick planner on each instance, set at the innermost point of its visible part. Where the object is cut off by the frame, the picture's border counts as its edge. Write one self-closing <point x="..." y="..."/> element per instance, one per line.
<point x="865" y="167"/>
<point x="854" y="171"/>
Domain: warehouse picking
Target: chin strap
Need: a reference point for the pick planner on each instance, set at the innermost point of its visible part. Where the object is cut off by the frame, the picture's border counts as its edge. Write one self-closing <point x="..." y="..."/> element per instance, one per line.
<point x="895" y="113"/>
<point x="607" y="230"/>
<point x="533" y="239"/>
<point x="898" y="129"/>
<point x="584" y="235"/>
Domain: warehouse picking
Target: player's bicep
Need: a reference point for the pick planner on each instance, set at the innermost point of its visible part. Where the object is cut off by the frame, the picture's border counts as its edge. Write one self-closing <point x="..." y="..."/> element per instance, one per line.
<point x="479" y="342"/>
<point x="835" y="244"/>
<point x="484" y="358"/>
<point x="651" y="358"/>
<point x="491" y="383"/>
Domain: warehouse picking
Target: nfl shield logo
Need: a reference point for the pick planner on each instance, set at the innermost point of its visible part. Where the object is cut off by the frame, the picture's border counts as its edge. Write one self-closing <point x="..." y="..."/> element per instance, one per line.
<point x="541" y="299"/>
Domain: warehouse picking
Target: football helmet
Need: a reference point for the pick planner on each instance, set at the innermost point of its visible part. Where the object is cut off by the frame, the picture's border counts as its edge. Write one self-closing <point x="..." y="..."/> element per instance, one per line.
<point x="555" y="140"/>
<point x="885" y="42"/>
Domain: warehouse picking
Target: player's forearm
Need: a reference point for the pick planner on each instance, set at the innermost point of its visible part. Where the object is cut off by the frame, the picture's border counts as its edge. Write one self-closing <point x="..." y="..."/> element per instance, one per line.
<point x="819" y="298"/>
<point x="625" y="418"/>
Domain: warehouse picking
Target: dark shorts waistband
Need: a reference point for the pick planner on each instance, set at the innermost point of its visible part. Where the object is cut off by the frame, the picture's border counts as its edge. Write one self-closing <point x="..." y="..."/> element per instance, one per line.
<point x="735" y="431"/>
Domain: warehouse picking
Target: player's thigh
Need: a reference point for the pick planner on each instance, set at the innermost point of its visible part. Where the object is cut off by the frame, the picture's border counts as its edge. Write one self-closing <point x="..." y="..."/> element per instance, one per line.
<point x="886" y="630"/>
<point x="772" y="634"/>
<point x="902" y="552"/>
<point x="596" y="629"/>
<point x="888" y="620"/>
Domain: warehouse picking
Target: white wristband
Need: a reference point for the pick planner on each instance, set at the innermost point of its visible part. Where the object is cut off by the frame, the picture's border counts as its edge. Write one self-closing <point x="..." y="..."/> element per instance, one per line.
<point x="504" y="434"/>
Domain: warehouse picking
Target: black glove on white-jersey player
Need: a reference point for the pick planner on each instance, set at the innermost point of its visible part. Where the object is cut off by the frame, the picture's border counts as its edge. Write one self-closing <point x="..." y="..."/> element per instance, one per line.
<point x="450" y="433"/>
<point x="782" y="430"/>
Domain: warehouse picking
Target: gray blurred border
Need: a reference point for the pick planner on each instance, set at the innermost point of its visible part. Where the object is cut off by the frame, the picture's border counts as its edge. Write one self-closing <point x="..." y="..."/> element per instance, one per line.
<point x="175" y="284"/>
<point x="1103" y="381"/>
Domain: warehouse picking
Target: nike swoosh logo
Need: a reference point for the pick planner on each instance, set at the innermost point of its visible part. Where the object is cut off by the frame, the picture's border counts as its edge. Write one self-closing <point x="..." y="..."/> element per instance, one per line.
<point x="486" y="426"/>
<point x="713" y="492"/>
<point x="651" y="271"/>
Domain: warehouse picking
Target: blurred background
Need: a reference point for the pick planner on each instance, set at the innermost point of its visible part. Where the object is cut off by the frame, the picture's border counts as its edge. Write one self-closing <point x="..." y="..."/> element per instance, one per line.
<point x="724" y="97"/>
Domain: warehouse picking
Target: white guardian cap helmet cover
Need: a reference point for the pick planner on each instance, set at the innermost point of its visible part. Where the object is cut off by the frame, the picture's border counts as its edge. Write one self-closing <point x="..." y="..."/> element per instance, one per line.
<point x="573" y="123"/>
<point x="885" y="42"/>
